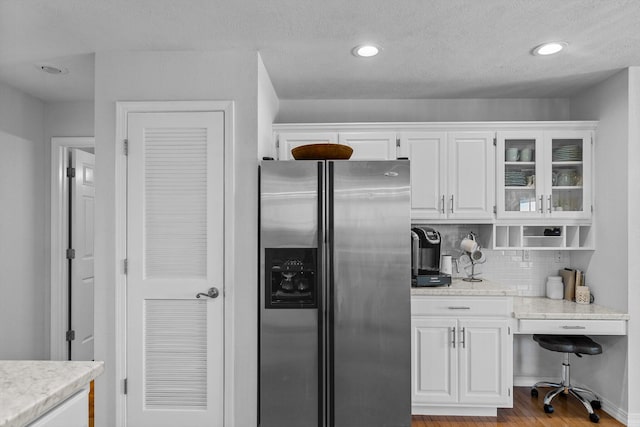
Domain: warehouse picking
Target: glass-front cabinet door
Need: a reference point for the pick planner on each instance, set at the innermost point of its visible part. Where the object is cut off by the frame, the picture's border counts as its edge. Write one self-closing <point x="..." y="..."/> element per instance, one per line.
<point x="569" y="174"/>
<point x="544" y="174"/>
<point x="520" y="175"/>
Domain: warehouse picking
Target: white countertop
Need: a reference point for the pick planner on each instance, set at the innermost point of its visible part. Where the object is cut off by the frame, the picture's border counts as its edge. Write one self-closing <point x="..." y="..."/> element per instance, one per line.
<point x="29" y="388"/>
<point x="545" y="308"/>
<point x="461" y="288"/>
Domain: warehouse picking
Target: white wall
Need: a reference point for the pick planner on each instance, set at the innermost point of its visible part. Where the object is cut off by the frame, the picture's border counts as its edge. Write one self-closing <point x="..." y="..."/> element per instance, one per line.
<point x="23" y="274"/>
<point x="633" y="195"/>
<point x="420" y="110"/>
<point x="268" y="105"/>
<point x="139" y="76"/>
<point x="607" y="268"/>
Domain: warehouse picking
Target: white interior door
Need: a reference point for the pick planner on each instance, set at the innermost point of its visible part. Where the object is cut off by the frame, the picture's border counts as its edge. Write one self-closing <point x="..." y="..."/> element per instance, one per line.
<point x="175" y="244"/>
<point x="82" y="281"/>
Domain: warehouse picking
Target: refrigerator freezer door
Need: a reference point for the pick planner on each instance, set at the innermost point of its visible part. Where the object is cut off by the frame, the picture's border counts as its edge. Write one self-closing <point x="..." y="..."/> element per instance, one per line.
<point x="290" y="338"/>
<point x="369" y="294"/>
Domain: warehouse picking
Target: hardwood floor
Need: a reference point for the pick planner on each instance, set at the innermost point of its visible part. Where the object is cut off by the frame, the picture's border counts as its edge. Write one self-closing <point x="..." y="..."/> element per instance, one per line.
<point x="526" y="411"/>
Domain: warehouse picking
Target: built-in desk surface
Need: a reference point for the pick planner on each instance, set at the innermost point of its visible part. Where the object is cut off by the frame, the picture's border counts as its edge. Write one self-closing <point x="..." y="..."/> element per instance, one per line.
<point x="540" y="315"/>
<point x="545" y="308"/>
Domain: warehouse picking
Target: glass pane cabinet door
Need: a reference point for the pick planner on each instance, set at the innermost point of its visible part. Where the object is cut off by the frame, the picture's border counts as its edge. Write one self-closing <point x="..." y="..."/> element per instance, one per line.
<point x="519" y="175"/>
<point x="569" y="175"/>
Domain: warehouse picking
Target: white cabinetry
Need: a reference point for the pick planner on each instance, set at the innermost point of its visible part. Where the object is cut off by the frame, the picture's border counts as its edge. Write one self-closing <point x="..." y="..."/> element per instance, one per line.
<point x="428" y="154"/>
<point x="544" y="174"/>
<point x="452" y="174"/>
<point x="366" y="145"/>
<point x="370" y="145"/>
<point x="290" y="140"/>
<point x="461" y="355"/>
<point x="73" y="412"/>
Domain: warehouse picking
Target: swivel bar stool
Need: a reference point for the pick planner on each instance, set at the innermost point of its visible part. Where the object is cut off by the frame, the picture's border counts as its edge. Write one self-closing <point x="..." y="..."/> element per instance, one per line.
<point x="567" y="344"/>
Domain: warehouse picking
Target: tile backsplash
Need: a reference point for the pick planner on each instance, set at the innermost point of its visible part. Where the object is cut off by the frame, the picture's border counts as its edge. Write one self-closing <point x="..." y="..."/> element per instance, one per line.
<point x="525" y="271"/>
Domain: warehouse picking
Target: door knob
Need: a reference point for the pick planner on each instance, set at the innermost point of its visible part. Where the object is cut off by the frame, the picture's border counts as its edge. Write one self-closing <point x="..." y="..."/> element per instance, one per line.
<point x="211" y="293"/>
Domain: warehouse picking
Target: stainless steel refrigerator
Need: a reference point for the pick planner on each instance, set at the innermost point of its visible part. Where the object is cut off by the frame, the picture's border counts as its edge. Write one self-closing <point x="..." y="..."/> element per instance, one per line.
<point x="334" y="306"/>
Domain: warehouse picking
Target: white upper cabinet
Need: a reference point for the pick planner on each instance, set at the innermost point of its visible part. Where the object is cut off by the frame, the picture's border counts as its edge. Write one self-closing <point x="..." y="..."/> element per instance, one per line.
<point x="370" y="145"/>
<point x="288" y="141"/>
<point x="545" y="174"/>
<point x="428" y="154"/>
<point x="366" y="145"/>
<point x="451" y="174"/>
<point x="470" y="180"/>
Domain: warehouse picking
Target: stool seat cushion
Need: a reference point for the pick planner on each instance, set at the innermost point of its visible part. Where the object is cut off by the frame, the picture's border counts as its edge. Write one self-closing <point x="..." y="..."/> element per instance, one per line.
<point x="579" y="344"/>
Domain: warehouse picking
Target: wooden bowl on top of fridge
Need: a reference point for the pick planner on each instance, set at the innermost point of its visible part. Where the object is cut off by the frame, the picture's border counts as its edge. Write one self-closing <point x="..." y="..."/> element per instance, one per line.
<point x="322" y="152"/>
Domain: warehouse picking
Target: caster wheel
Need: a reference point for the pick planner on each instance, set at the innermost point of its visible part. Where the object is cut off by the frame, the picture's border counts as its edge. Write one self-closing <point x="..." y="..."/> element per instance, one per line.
<point x="534" y="392"/>
<point x="595" y="404"/>
<point x="594" y="418"/>
<point x="549" y="409"/>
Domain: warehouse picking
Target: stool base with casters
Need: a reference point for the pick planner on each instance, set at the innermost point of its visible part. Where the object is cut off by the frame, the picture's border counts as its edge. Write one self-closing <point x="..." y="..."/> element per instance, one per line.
<point x="567" y="344"/>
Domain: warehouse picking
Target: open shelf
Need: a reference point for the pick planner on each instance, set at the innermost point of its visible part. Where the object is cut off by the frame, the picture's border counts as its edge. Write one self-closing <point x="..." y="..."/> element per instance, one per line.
<point x="571" y="237"/>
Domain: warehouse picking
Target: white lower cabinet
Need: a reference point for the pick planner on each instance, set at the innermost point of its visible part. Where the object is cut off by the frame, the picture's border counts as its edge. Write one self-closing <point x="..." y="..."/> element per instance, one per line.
<point x="462" y="362"/>
<point x="73" y="412"/>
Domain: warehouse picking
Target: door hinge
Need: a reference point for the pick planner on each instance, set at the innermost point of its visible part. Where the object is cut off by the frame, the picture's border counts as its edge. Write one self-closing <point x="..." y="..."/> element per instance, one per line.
<point x="495" y="141"/>
<point x="508" y="330"/>
<point x="126" y="266"/>
<point x="591" y="208"/>
<point x="125" y="147"/>
<point x="278" y="142"/>
<point x="125" y="386"/>
<point x="509" y="391"/>
<point x="71" y="335"/>
<point x="71" y="172"/>
<point x="397" y="142"/>
<point x="495" y="209"/>
<point x="71" y="253"/>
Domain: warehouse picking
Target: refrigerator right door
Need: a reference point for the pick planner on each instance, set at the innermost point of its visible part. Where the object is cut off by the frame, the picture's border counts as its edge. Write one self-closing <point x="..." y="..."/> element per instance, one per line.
<point x="369" y="294"/>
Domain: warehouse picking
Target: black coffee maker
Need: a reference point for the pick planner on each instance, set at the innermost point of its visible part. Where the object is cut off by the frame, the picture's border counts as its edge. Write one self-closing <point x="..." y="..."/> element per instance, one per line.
<point x="425" y="258"/>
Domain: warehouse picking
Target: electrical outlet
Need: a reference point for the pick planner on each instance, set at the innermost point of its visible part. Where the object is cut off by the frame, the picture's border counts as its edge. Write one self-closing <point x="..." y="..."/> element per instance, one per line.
<point x="526" y="255"/>
<point x="558" y="257"/>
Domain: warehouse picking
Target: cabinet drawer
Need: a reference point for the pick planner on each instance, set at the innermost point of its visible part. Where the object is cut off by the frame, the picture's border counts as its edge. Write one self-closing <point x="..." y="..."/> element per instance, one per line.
<point x="572" y="327"/>
<point x="461" y="306"/>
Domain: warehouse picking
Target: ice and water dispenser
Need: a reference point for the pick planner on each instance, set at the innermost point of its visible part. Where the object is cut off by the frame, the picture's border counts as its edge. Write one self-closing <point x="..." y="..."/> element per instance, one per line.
<point x="291" y="278"/>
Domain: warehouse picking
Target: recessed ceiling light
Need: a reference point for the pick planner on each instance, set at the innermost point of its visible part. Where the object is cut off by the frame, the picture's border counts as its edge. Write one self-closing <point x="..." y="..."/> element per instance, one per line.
<point x="365" y="51"/>
<point x="52" y="69"/>
<point x="548" y="48"/>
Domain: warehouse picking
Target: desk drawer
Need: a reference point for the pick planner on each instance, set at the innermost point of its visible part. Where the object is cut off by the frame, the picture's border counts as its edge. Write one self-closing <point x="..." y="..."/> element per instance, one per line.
<point x="461" y="306"/>
<point x="572" y="327"/>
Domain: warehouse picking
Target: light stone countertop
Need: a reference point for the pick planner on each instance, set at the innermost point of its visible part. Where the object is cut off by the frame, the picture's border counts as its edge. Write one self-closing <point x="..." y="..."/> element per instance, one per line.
<point x="30" y="388"/>
<point x="461" y="288"/>
<point x="545" y="308"/>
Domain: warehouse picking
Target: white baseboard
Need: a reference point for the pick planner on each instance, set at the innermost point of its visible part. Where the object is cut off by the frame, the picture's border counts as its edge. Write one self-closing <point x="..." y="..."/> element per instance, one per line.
<point x="616" y="412"/>
<point x="464" y="411"/>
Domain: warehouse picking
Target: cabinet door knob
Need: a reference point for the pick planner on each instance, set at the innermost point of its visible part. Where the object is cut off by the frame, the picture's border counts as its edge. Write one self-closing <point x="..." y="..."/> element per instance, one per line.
<point x="453" y="337"/>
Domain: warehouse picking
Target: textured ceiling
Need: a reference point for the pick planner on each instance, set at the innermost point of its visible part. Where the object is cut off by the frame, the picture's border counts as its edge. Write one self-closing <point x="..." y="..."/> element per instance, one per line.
<point x="431" y="48"/>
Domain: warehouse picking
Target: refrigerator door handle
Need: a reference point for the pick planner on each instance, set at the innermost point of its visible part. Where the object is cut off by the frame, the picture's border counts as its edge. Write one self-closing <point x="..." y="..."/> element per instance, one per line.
<point x="321" y="295"/>
<point x="330" y="280"/>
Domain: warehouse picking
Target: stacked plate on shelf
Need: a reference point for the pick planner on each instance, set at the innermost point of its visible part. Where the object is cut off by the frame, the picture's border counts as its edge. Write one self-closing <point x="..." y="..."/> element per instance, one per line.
<point x="567" y="153"/>
<point x="514" y="179"/>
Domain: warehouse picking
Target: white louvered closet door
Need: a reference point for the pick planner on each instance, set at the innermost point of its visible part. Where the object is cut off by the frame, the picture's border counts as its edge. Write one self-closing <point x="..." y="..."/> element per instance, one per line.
<point x="175" y="242"/>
